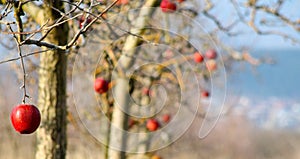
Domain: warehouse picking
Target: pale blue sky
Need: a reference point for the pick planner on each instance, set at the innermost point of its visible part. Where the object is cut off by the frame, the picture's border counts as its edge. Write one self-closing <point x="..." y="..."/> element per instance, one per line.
<point x="227" y="14"/>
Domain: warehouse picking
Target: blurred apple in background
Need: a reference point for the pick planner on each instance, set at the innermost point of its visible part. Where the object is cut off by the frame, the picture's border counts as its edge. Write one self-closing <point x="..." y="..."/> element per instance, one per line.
<point x="101" y="85"/>
<point x="122" y="2"/>
<point x="211" y="54"/>
<point x="211" y="65"/>
<point x="205" y="94"/>
<point x="167" y="6"/>
<point x="198" y="58"/>
<point x="152" y="125"/>
<point x="166" y="118"/>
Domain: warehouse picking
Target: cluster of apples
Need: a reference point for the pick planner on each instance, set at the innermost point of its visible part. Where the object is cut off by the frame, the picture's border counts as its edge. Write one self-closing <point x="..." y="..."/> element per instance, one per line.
<point x="82" y="19"/>
<point x="211" y="55"/>
<point x="211" y="64"/>
<point x="169" y="6"/>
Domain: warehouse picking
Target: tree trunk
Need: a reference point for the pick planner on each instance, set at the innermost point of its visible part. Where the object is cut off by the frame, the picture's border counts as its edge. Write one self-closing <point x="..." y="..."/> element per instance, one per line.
<point x="51" y="136"/>
<point x="119" y="118"/>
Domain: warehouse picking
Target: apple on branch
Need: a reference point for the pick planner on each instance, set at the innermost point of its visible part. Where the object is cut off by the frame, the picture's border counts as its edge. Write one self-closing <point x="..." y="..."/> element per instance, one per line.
<point x="122" y="2"/>
<point x="205" y="94"/>
<point x="101" y="85"/>
<point x="211" y="54"/>
<point x="82" y="19"/>
<point x="152" y="125"/>
<point x="167" y="6"/>
<point x="155" y="157"/>
<point x="166" y="118"/>
<point x="198" y="57"/>
<point x="211" y="65"/>
<point x="25" y="118"/>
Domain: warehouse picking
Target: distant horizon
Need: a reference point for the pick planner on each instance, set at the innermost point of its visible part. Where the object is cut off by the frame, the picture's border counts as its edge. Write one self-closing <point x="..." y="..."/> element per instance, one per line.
<point x="272" y="91"/>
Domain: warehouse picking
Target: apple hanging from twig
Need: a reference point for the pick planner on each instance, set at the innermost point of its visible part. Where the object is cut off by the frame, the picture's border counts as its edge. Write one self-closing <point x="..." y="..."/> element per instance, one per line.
<point x="25" y="118"/>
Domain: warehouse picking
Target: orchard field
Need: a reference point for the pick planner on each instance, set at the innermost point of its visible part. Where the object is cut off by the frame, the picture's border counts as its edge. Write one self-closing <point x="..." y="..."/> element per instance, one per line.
<point x="149" y="79"/>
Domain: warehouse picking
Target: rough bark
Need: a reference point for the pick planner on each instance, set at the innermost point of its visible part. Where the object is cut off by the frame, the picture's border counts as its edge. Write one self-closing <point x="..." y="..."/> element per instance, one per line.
<point x="119" y="118"/>
<point x="51" y="136"/>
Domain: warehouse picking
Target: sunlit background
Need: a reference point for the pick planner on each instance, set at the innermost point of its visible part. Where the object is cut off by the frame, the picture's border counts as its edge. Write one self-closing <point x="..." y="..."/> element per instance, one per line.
<point x="263" y="121"/>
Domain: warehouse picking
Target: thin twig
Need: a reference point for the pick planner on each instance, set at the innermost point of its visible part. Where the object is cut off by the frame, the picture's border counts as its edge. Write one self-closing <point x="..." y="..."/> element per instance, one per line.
<point x="25" y="55"/>
<point x="22" y="66"/>
<point x="84" y="29"/>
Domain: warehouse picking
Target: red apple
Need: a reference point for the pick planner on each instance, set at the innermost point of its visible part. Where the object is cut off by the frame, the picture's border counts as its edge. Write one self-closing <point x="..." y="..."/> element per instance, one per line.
<point x="155" y="157"/>
<point x="205" y="94"/>
<point x="81" y="21"/>
<point x="122" y="2"/>
<point x="167" y="6"/>
<point x="168" y="54"/>
<point x="198" y="58"/>
<point x="152" y="124"/>
<point x="211" y="54"/>
<point x="166" y="118"/>
<point x="211" y="65"/>
<point x="146" y="91"/>
<point x="131" y="123"/>
<point x="25" y="118"/>
<point x="101" y="85"/>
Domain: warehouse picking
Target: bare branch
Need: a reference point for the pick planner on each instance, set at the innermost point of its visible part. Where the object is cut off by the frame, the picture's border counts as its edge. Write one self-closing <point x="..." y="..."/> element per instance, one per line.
<point x="18" y="12"/>
<point x="25" y="55"/>
<point x="275" y="12"/>
<point x="219" y="24"/>
<point x="84" y="29"/>
<point x="22" y="66"/>
<point x="42" y="43"/>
